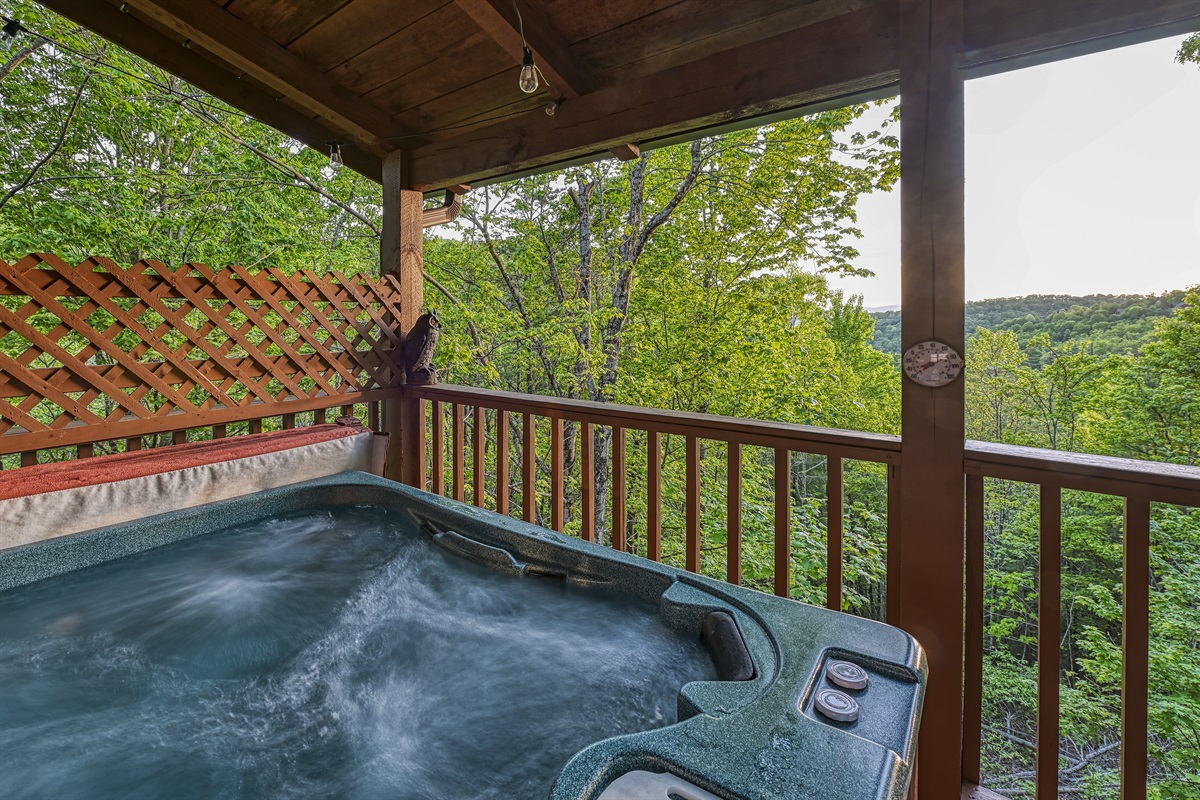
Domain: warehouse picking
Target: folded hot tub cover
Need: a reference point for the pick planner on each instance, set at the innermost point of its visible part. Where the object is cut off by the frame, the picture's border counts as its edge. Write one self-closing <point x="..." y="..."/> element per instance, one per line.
<point x="46" y="501"/>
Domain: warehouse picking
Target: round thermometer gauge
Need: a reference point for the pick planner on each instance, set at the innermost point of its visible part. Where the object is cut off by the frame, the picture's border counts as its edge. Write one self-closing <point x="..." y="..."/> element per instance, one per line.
<point x="932" y="363"/>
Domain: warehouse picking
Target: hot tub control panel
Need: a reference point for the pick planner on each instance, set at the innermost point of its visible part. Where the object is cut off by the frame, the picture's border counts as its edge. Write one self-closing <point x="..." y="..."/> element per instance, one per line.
<point x="874" y="701"/>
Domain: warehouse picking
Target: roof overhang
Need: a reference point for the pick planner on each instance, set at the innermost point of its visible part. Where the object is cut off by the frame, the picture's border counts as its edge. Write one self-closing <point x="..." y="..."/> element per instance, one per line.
<point x="443" y="85"/>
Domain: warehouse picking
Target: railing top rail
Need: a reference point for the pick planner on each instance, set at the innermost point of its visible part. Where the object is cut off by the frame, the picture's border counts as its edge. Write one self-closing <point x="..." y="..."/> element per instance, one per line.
<point x="804" y="438"/>
<point x="1126" y="477"/>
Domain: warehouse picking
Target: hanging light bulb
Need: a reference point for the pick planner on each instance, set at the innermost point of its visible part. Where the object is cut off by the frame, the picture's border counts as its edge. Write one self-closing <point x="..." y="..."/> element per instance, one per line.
<point x="528" y="80"/>
<point x="12" y="27"/>
<point x="335" y="156"/>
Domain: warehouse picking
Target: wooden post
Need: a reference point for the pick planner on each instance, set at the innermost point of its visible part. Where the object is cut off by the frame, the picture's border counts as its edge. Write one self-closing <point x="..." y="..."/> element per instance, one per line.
<point x="925" y="579"/>
<point x="401" y="253"/>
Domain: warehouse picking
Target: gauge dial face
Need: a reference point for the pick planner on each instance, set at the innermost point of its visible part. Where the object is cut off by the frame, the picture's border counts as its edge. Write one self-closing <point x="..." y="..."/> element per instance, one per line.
<point x="932" y="363"/>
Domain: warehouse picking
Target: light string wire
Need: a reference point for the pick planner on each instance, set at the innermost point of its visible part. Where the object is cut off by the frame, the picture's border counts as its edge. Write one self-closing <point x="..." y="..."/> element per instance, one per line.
<point x="550" y="88"/>
<point x="231" y="110"/>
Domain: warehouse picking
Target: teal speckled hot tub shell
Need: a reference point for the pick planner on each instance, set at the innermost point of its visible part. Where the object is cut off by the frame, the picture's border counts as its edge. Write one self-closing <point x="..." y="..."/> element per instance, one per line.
<point x="758" y="739"/>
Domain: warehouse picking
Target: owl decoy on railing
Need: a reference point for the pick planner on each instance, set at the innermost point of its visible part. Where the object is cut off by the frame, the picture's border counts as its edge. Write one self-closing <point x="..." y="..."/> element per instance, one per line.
<point x="418" y="350"/>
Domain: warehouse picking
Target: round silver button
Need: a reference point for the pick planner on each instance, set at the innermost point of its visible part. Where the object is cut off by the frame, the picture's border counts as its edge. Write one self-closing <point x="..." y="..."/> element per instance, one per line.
<point x="837" y="705"/>
<point x="846" y="675"/>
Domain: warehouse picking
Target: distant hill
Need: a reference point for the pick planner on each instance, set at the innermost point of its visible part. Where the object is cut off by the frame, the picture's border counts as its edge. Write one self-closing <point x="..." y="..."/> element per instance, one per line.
<point x="1113" y="323"/>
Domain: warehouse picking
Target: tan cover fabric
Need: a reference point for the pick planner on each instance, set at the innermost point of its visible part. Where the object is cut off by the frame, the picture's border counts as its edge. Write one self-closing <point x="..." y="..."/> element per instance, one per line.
<point x="57" y="513"/>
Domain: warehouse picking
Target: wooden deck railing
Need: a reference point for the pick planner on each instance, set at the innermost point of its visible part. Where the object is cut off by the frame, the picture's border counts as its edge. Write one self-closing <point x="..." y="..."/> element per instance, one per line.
<point x="1139" y="483"/>
<point x="496" y="410"/>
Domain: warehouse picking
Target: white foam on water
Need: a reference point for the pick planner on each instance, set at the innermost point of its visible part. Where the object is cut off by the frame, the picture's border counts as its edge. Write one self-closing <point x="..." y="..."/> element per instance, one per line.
<point x="300" y="660"/>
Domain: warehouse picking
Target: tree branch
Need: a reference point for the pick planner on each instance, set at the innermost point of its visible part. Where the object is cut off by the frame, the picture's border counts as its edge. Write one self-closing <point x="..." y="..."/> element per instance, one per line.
<point x="58" y="143"/>
<point x="281" y="166"/>
<point x="25" y="52"/>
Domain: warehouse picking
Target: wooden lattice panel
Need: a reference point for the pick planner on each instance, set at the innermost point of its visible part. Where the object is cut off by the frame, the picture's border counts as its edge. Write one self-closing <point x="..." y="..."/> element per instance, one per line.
<point x="94" y="351"/>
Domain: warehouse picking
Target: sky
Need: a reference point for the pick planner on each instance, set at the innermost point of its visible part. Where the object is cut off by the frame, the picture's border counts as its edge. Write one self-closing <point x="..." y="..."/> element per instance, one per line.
<point x="1082" y="177"/>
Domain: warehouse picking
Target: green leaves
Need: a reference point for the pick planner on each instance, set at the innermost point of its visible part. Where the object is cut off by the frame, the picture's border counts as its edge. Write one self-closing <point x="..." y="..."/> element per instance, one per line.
<point x="148" y="167"/>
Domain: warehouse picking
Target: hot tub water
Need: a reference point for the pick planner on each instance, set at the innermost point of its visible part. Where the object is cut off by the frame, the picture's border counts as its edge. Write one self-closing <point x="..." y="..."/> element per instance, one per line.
<point x="291" y="658"/>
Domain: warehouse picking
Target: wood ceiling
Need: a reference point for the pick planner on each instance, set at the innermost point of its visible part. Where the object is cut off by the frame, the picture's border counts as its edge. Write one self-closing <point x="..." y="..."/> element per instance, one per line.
<point x="438" y="78"/>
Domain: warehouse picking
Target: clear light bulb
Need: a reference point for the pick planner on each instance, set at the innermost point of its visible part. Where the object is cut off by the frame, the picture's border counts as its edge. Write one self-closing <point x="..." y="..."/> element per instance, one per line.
<point x="528" y="80"/>
<point x="335" y="157"/>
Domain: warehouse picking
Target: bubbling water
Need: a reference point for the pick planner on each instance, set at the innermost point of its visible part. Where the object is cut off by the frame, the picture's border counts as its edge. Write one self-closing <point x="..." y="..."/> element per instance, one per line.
<point x="292" y="658"/>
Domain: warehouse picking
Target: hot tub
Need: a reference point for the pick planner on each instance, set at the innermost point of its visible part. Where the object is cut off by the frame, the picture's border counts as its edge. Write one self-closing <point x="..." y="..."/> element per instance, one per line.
<point x="789" y="701"/>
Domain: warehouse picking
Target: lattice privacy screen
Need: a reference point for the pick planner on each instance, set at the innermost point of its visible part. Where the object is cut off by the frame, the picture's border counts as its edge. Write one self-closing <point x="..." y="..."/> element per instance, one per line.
<point x="95" y="351"/>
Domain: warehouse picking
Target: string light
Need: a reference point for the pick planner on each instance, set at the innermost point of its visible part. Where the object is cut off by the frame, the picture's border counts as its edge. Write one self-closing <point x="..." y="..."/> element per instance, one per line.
<point x="529" y="79"/>
<point x="335" y="156"/>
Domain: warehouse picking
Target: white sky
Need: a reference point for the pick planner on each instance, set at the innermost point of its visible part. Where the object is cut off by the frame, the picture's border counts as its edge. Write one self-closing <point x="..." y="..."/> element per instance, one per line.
<point x="1083" y="176"/>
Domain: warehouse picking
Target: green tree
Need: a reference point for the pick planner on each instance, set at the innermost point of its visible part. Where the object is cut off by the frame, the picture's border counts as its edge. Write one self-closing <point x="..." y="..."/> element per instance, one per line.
<point x="106" y="154"/>
<point x="1151" y="404"/>
<point x="671" y="281"/>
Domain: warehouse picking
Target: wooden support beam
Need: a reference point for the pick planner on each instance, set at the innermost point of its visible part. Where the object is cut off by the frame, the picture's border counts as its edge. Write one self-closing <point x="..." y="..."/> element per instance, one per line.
<point x="140" y="38"/>
<point x="796" y="68"/>
<point x="853" y="52"/>
<point x="626" y="152"/>
<point x="926" y="551"/>
<point x="1016" y="34"/>
<point x="498" y="19"/>
<point x="211" y="27"/>
<point x="401" y="253"/>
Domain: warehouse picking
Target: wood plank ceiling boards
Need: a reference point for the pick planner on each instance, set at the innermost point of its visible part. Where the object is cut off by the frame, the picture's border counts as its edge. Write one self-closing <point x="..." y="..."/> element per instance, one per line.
<point x="439" y="77"/>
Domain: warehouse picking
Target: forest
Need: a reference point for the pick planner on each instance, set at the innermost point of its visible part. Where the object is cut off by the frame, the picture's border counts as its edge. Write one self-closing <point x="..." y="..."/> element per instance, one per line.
<point x="1110" y="324"/>
<point x="674" y="281"/>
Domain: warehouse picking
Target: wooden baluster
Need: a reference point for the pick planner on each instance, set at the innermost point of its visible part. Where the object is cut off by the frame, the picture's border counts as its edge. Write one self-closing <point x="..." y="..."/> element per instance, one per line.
<point x="733" y="515"/>
<point x="783" y="522"/>
<point x="422" y="475"/>
<point x="556" y="473"/>
<point x="1049" y="638"/>
<point x="1135" y="650"/>
<point x="438" y="466"/>
<point x="891" y="602"/>
<point x="219" y="431"/>
<point x="373" y="415"/>
<point x="29" y="458"/>
<point x="973" y="662"/>
<point x="692" y="512"/>
<point x="86" y="450"/>
<point x="459" y="468"/>
<point x="654" y="495"/>
<point x="528" y="468"/>
<point x="834" y="530"/>
<point x="179" y="437"/>
<point x="587" y="481"/>
<point x="502" y="462"/>
<point x="289" y="421"/>
<point x="618" y="489"/>
<point x="255" y="426"/>
<point x="320" y="416"/>
<point x="478" y="453"/>
<point x="133" y="445"/>
<point x="347" y="411"/>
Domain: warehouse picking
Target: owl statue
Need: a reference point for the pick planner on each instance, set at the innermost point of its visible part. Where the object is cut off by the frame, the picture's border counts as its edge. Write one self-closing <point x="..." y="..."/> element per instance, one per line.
<point x="418" y="350"/>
